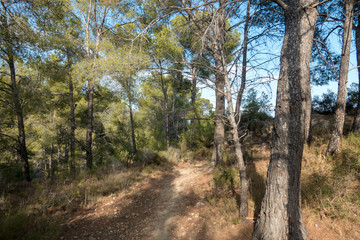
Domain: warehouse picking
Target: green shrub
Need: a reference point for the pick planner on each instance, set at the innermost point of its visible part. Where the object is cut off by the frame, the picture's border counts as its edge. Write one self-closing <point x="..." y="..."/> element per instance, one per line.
<point x="21" y="225"/>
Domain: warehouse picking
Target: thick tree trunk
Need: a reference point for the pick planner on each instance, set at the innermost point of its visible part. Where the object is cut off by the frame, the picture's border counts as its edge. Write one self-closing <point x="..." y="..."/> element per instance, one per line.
<point x="280" y="214"/>
<point x="339" y="118"/>
<point x="89" y="127"/>
<point x="356" y="124"/>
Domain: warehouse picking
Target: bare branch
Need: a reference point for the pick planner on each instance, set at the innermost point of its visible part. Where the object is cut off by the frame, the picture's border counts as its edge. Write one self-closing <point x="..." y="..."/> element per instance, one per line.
<point x="281" y="4"/>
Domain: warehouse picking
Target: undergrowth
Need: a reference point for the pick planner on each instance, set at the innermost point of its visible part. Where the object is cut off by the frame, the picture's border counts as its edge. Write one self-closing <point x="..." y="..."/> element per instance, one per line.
<point x="33" y="211"/>
<point x="330" y="184"/>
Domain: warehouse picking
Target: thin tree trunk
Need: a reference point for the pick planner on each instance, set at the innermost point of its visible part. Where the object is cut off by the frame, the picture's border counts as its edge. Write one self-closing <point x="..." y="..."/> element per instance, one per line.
<point x="166" y="103"/>
<point x="132" y="126"/>
<point x="219" y="131"/>
<point x="51" y="160"/>
<point x="339" y="118"/>
<point x="21" y="148"/>
<point x="89" y="127"/>
<point x="280" y="214"/>
<point x="20" y="123"/>
<point x="72" y="118"/>
<point x="193" y="101"/>
<point x="244" y="195"/>
<point x="244" y="65"/>
<point x="356" y="124"/>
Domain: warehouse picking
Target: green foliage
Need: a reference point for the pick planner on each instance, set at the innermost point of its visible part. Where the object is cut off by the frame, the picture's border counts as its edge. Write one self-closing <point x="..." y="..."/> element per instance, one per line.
<point x="19" y="224"/>
<point x="326" y="104"/>
<point x="225" y="178"/>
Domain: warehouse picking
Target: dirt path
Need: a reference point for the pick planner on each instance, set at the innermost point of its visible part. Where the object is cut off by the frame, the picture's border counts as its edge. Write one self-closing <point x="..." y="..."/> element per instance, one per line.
<point x="175" y="204"/>
<point x="169" y="205"/>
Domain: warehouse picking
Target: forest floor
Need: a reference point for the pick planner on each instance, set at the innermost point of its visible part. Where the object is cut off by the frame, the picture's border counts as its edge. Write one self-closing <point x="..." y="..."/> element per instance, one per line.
<point x="178" y="203"/>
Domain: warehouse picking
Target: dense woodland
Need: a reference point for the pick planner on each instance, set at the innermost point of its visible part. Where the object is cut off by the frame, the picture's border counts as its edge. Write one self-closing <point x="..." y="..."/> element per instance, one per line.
<point x="90" y="84"/>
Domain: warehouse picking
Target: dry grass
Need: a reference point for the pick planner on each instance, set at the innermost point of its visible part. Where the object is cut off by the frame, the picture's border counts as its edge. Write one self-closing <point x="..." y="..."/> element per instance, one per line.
<point x="34" y="211"/>
<point x="330" y="187"/>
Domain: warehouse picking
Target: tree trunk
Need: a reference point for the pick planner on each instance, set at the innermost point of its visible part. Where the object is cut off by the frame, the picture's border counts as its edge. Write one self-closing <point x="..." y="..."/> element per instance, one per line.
<point x="219" y="131"/>
<point x="244" y="66"/>
<point x="89" y="127"/>
<point x="72" y="117"/>
<point x="244" y="195"/>
<point x="280" y="214"/>
<point x="356" y="124"/>
<point x="166" y="103"/>
<point x="21" y="146"/>
<point x="51" y="161"/>
<point x="339" y="118"/>
<point x="193" y="101"/>
<point x="20" y="121"/>
<point x="132" y="126"/>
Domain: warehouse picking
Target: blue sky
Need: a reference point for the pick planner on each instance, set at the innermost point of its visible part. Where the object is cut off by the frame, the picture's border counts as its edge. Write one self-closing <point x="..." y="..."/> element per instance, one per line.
<point x="270" y="88"/>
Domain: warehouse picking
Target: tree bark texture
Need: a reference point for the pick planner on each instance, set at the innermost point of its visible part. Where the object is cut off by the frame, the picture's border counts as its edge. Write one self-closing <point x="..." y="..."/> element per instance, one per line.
<point x="280" y="214"/>
<point x="339" y="118"/>
<point x="356" y="124"/>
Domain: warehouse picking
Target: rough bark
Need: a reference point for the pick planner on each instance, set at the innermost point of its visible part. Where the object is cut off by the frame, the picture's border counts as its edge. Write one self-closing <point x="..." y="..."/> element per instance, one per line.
<point x="280" y="214"/>
<point x="356" y="124"/>
<point x="339" y="118"/>
<point x="21" y="145"/>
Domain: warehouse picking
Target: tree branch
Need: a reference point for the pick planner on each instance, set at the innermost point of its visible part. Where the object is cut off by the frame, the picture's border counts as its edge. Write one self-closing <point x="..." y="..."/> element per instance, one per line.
<point x="281" y="4"/>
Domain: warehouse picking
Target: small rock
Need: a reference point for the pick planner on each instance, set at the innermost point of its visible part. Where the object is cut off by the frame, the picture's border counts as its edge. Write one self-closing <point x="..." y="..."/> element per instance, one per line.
<point x="316" y="225"/>
<point x="200" y="204"/>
